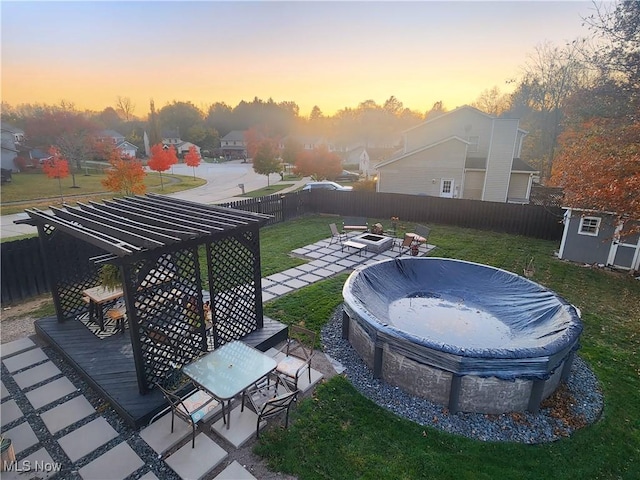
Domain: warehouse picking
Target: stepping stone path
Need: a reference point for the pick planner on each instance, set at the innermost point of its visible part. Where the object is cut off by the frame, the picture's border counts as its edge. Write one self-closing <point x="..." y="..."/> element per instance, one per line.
<point x="61" y="434"/>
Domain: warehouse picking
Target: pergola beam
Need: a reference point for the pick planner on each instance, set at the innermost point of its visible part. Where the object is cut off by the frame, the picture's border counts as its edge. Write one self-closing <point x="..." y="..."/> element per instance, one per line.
<point x="106" y="242"/>
<point x="130" y="224"/>
<point x="88" y="221"/>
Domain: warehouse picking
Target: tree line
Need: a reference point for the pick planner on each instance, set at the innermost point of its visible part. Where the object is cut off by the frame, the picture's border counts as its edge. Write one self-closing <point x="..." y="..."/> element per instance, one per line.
<point x="573" y="100"/>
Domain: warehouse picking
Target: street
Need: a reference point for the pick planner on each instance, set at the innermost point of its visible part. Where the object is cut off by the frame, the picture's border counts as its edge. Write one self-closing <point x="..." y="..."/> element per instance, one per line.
<point x="221" y="187"/>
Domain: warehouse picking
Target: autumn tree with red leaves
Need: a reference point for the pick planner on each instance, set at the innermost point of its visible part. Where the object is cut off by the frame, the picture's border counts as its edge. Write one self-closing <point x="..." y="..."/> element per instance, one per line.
<point x="56" y="167"/>
<point x="318" y="163"/>
<point x="162" y="157"/>
<point x="192" y="159"/>
<point x="599" y="166"/>
<point x="126" y="175"/>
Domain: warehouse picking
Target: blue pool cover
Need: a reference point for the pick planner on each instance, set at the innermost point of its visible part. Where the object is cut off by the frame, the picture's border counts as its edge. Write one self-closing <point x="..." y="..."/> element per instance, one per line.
<point x="463" y="308"/>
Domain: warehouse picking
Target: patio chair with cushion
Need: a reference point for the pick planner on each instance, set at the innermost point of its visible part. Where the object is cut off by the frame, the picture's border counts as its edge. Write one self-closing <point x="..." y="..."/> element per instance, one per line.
<point x="191" y="408"/>
<point x="423" y="233"/>
<point x="336" y="235"/>
<point x="270" y="397"/>
<point x="298" y="352"/>
<point x="405" y="245"/>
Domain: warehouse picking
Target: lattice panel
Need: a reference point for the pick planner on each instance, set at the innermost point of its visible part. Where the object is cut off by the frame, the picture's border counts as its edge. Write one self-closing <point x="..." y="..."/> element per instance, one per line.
<point x="73" y="272"/>
<point x="169" y="312"/>
<point x="233" y="288"/>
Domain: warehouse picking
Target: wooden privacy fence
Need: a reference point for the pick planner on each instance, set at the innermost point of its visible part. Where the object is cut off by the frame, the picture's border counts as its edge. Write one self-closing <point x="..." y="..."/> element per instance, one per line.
<point x="23" y="270"/>
<point x="23" y="273"/>
<point x="528" y="220"/>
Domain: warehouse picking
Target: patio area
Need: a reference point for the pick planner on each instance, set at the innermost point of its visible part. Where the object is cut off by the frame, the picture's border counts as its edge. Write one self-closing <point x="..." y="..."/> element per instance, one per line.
<point x="81" y="436"/>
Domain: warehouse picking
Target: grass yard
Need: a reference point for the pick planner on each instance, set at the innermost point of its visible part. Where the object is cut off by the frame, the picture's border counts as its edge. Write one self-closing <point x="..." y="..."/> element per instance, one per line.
<point x="341" y="434"/>
<point x="263" y="192"/>
<point x="37" y="190"/>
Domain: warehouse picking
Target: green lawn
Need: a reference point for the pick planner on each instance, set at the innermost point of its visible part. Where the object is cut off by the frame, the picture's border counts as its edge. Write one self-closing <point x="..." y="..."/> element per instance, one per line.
<point x="340" y="434"/>
<point x="37" y="190"/>
<point x="263" y="192"/>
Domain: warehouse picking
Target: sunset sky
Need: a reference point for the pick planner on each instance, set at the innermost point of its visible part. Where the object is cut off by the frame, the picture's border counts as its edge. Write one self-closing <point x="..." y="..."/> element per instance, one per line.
<point x="330" y="54"/>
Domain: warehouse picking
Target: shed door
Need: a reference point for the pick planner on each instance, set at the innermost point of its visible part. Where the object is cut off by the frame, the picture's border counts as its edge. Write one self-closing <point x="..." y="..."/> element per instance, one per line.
<point x="446" y="187"/>
<point x="625" y="251"/>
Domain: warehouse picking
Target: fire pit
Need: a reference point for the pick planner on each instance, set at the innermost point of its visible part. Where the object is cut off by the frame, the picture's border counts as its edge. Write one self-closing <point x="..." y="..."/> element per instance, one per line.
<point x="374" y="242"/>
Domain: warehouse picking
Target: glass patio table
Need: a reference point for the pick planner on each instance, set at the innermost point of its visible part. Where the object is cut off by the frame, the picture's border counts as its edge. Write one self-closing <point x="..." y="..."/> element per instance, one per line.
<point x="229" y="370"/>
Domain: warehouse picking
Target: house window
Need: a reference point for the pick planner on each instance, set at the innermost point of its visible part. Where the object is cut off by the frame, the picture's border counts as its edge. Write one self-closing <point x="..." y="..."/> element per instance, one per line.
<point x="589" y="226"/>
<point x="473" y="144"/>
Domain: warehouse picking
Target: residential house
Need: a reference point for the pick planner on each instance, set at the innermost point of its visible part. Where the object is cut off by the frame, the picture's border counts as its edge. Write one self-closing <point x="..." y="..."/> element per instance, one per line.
<point x="11" y="137"/>
<point x="464" y="153"/>
<point x="366" y="158"/>
<point x="182" y="147"/>
<point x="125" y="147"/>
<point x="600" y="238"/>
<point x="233" y="145"/>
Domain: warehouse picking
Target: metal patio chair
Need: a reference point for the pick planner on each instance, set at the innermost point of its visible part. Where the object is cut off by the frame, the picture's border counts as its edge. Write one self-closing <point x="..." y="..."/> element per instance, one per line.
<point x="270" y="397"/>
<point x="298" y="352"/>
<point x="191" y="408"/>
<point x="336" y="234"/>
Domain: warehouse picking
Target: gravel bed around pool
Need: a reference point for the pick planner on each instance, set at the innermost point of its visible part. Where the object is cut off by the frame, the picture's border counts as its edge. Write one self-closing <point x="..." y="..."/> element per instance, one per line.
<point x="545" y="426"/>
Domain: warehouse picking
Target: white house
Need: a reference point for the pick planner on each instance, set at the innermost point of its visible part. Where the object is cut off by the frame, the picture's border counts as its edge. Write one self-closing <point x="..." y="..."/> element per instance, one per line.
<point x="464" y="153"/>
<point x="126" y="148"/>
<point x="10" y="140"/>
<point x="600" y="238"/>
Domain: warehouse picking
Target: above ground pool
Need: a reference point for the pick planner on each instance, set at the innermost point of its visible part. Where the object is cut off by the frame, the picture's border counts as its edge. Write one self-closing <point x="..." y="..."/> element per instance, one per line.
<point x="472" y="337"/>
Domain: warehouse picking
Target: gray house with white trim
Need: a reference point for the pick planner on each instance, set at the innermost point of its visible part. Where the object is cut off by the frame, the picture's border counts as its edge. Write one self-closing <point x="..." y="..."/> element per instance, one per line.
<point x="464" y="153"/>
<point x="600" y="238"/>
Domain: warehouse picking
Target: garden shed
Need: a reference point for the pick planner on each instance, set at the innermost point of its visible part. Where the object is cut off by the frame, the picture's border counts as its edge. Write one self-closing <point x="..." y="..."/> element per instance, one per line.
<point x="600" y="238"/>
<point x="170" y="256"/>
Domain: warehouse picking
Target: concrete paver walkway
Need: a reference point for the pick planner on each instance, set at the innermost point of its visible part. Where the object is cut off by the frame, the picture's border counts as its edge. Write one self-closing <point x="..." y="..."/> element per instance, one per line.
<point x="47" y="405"/>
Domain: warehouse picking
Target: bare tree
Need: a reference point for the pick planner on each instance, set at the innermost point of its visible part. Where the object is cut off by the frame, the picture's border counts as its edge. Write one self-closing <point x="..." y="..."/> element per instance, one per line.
<point x="125" y="107"/>
<point x="550" y="76"/>
<point x="617" y="25"/>
<point x="492" y="101"/>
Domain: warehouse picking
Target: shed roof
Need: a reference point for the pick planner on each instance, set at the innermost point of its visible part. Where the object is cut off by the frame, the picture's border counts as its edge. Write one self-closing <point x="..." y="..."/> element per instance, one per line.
<point x="130" y="225"/>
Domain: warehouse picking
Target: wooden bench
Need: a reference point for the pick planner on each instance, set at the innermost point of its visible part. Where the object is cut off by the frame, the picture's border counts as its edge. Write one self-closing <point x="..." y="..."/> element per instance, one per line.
<point x="357" y="224"/>
<point x="358" y="246"/>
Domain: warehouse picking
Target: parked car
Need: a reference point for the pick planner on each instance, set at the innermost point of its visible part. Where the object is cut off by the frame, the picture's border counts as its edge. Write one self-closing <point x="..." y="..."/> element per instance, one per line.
<point x="326" y="186"/>
<point x="347" y="176"/>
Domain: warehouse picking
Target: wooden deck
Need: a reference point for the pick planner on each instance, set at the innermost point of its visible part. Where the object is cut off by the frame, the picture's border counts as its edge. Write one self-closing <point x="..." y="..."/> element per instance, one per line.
<point x="108" y="367"/>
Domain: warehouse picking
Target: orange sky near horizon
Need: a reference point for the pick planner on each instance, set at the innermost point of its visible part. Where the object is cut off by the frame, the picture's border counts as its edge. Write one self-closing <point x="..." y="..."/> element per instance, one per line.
<point x="330" y="54"/>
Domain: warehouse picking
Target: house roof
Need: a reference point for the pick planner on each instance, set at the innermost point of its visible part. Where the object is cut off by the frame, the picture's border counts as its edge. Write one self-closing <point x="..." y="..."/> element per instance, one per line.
<point x="475" y="163"/>
<point x="131" y="225"/>
<point x="456" y="110"/>
<point x="464" y="107"/>
<point x="6" y="127"/>
<point x="426" y="147"/>
<point x="126" y="145"/>
<point x="37" y="154"/>
<point x="520" y="165"/>
<point x="110" y="133"/>
<point x="171" y="134"/>
<point x="234" y="136"/>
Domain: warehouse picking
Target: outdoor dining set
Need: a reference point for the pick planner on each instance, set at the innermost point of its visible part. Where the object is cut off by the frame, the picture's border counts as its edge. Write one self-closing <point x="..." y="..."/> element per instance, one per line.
<point x="237" y="371"/>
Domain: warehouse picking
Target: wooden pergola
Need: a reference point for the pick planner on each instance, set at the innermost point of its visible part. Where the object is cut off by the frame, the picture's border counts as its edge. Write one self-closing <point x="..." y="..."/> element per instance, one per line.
<point x="166" y="250"/>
